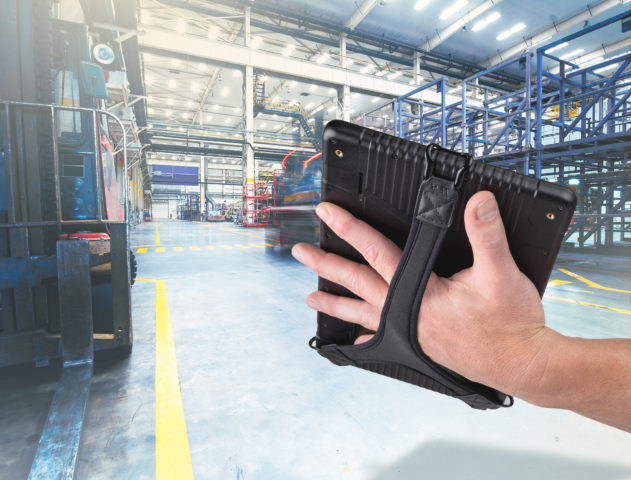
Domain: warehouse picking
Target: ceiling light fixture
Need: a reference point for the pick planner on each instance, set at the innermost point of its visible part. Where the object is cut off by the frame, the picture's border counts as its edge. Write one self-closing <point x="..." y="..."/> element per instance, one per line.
<point x="255" y="42"/>
<point x="573" y="54"/>
<point x="421" y="4"/>
<point x="323" y="58"/>
<point x="557" y="47"/>
<point x="453" y="8"/>
<point x="514" y="29"/>
<point x="375" y="100"/>
<point x="485" y="21"/>
<point x="368" y="68"/>
<point x="380" y="73"/>
<point x="289" y="49"/>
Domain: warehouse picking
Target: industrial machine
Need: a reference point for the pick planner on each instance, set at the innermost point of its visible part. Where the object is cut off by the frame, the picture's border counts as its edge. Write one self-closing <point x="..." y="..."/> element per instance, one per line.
<point x="65" y="274"/>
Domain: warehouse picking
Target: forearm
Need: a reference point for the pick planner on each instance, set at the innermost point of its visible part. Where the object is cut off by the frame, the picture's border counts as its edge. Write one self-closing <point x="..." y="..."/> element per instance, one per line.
<point x="589" y="377"/>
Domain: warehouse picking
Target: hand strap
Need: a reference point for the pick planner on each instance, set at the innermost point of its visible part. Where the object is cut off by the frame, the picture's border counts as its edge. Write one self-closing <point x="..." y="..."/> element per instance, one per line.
<point x="394" y="351"/>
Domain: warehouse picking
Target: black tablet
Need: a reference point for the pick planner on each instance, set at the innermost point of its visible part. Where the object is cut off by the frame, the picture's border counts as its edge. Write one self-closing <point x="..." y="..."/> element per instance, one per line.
<point x="376" y="177"/>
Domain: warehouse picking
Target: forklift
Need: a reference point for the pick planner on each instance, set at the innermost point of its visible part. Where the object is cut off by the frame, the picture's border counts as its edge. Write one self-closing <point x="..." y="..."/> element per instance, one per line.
<point x="65" y="264"/>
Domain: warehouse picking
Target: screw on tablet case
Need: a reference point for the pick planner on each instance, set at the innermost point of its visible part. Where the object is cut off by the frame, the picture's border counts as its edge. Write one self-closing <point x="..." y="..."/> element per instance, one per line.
<point x="394" y="350"/>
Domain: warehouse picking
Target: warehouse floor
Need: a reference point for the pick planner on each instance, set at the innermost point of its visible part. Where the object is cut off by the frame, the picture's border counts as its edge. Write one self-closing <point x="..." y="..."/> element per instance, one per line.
<point x="256" y="403"/>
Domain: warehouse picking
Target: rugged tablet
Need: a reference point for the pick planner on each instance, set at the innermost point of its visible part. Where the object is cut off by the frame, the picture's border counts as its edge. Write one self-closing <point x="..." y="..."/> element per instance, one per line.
<point x="416" y="196"/>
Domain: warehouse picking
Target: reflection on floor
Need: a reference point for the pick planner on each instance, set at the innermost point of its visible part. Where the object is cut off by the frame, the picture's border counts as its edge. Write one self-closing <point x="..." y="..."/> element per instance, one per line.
<point x="259" y="404"/>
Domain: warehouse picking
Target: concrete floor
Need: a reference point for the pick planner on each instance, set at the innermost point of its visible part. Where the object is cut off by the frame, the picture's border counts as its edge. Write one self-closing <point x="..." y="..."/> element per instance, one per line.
<point x="259" y="404"/>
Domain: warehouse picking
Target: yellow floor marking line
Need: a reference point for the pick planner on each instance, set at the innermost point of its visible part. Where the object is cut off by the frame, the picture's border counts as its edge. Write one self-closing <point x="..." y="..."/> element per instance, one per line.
<point x="173" y="457"/>
<point x="177" y="249"/>
<point x="157" y="235"/>
<point x="269" y="244"/>
<point x="210" y="247"/>
<point x="256" y="245"/>
<point x="589" y="304"/>
<point x="559" y="282"/>
<point x="194" y="248"/>
<point x="140" y="246"/>
<point x="142" y="250"/>
<point x="239" y="245"/>
<point x="160" y="250"/>
<point x="226" y="246"/>
<point x="144" y="279"/>
<point x="590" y="283"/>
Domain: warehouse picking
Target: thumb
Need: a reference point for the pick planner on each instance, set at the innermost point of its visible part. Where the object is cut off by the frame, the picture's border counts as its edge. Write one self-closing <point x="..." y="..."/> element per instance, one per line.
<point x="492" y="259"/>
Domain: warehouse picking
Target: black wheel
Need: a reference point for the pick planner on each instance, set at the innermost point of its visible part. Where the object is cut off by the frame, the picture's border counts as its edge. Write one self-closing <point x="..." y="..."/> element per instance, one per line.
<point x="133" y="266"/>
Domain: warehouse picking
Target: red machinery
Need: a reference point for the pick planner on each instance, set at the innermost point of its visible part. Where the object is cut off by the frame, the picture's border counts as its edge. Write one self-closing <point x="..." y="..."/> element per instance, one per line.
<point x="256" y="204"/>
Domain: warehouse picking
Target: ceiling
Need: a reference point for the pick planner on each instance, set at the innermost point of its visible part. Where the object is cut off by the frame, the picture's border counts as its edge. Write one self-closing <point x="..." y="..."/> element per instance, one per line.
<point x="182" y="92"/>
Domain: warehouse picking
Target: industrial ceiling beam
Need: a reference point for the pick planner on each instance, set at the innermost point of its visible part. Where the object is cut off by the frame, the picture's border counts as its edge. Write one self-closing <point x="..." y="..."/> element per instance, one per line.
<point x="359" y="14"/>
<point x="557" y="28"/>
<point x="200" y="49"/>
<point x="448" y="31"/>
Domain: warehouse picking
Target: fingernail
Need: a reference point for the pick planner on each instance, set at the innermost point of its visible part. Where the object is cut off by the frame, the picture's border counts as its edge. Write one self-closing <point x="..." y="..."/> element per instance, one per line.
<point x="487" y="210"/>
<point x="312" y="303"/>
<point x="323" y="212"/>
<point x="297" y="254"/>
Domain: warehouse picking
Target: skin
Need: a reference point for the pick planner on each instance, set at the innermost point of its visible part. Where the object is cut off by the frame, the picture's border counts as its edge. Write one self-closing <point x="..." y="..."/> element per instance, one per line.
<point x="485" y="322"/>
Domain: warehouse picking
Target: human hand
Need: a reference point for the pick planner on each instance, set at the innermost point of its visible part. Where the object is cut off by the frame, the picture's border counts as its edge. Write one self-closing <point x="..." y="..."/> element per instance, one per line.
<point x="485" y="322"/>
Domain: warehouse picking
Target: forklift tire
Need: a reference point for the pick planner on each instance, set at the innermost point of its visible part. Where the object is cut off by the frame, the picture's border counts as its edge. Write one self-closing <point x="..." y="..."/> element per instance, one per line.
<point x="133" y="266"/>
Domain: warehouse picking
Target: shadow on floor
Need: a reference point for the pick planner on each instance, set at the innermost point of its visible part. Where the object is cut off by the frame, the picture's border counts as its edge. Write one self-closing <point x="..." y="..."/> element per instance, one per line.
<point x="446" y="460"/>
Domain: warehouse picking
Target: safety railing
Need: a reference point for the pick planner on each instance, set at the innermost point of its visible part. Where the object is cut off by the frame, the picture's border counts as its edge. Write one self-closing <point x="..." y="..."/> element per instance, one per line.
<point x="7" y="108"/>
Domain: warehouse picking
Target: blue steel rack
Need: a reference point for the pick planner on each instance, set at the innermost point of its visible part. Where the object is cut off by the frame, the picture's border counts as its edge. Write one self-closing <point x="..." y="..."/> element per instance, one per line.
<point x="565" y="122"/>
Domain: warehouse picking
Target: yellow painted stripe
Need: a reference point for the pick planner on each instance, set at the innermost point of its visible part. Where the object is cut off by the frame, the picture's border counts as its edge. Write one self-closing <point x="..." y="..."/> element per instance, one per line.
<point x="589" y="304"/>
<point x="194" y="248"/>
<point x="559" y="282"/>
<point x="173" y="457"/>
<point x="177" y="249"/>
<point x="269" y="244"/>
<point x="590" y="283"/>
<point x="141" y="250"/>
<point x="160" y="249"/>
<point x="255" y="245"/>
<point x="240" y="246"/>
<point x="210" y="247"/>
<point x="144" y="279"/>
<point x="157" y="235"/>
<point x="226" y="246"/>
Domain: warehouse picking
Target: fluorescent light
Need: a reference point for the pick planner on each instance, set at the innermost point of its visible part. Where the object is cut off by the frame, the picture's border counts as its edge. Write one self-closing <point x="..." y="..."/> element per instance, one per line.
<point x="395" y="75"/>
<point x="375" y="100"/>
<point x="608" y="67"/>
<point x="150" y="110"/>
<point x="255" y="42"/>
<point x="323" y="58"/>
<point x="236" y="110"/>
<point x="209" y="118"/>
<point x="557" y="47"/>
<point x="453" y="8"/>
<point x="172" y="83"/>
<point x="189" y="104"/>
<point x="263" y="125"/>
<point x="185" y="115"/>
<point x="368" y="68"/>
<point x="455" y="89"/>
<point x="289" y="49"/>
<point x="349" y="61"/>
<point x="169" y="101"/>
<point x="380" y="73"/>
<point x="573" y="54"/>
<point x="293" y="83"/>
<point x="225" y="91"/>
<point x="574" y="181"/>
<point x="421" y="4"/>
<point x="485" y="21"/>
<point x="514" y="29"/>
<point x="226" y="121"/>
<point x="332" y="91"/>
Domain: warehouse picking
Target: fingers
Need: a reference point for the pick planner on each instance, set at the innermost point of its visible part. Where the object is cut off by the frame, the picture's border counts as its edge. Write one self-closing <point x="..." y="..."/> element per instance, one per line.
<point x="360" y="279"/>
<point x="485" y="229"/>
<point x="380" y="252"/>
<point x="363" y="338"/>
<point x="348" y="309"/>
